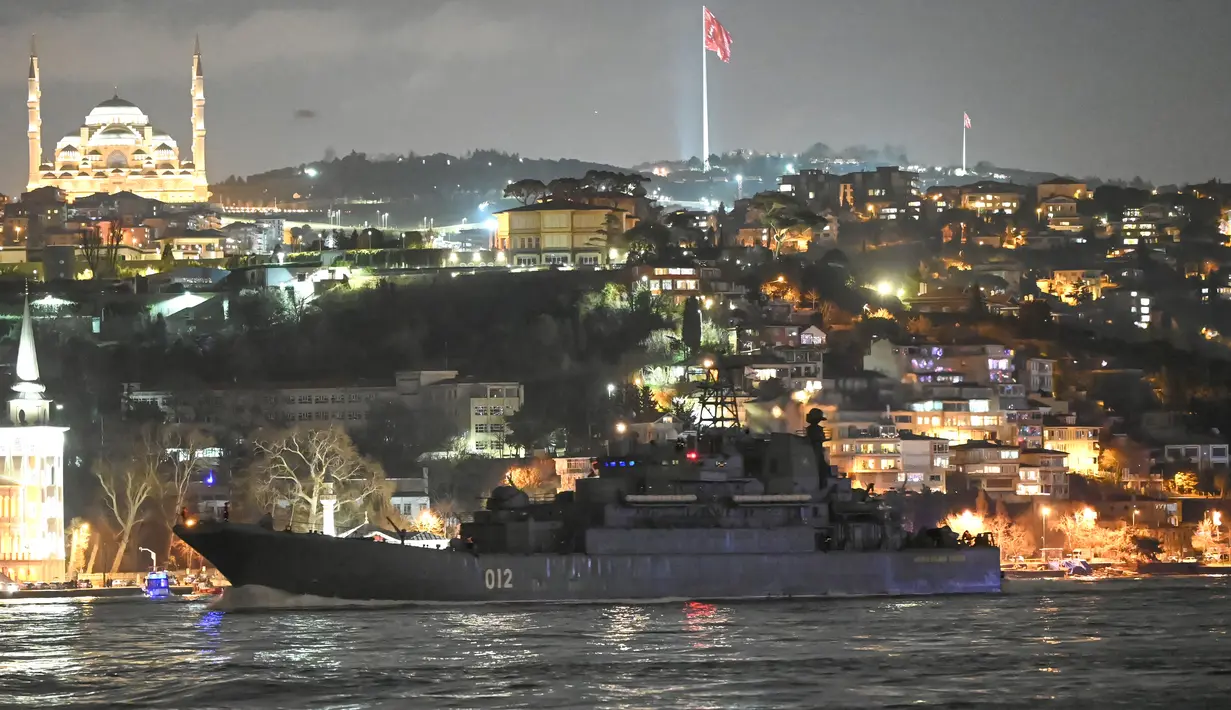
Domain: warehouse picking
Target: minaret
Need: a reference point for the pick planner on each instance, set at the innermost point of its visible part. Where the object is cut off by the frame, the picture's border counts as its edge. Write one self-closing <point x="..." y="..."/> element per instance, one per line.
<point x="33" y="99"/>
<point x="200" y="183"/>
<point x="28" y="406"/>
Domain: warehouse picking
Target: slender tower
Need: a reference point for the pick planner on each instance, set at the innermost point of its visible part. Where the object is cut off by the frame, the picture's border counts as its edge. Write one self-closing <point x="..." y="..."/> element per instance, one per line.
<point x="35" y="131"/>
<point x="200" y="182"/>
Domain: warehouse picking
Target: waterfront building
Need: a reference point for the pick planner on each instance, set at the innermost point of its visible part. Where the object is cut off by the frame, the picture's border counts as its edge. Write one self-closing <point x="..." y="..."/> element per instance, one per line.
<point x="31" y="475"/>
<point x="118" y="149"/>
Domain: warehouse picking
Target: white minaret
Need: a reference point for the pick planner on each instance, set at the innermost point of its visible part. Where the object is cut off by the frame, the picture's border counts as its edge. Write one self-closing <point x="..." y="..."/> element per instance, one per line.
<point x="200" y="183"/>
<point x="35" y="131"/>
<point x="28" y="407"/>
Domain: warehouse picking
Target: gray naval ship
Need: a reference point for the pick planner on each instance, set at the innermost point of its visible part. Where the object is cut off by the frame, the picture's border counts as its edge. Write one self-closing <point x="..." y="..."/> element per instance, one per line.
<point x="724" y="518"/>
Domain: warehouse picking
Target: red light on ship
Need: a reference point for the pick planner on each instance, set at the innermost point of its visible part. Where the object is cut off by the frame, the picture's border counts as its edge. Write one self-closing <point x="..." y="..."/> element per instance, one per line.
<point x="692" y="455"/>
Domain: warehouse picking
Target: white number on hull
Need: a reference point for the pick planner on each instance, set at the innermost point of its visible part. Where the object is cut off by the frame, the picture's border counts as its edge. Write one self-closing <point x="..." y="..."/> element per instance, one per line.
<point x="498" y="578"/>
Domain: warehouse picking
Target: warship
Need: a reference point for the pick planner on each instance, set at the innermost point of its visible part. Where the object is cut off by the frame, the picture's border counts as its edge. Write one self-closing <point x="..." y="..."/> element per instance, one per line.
<point x="716" y="517"/>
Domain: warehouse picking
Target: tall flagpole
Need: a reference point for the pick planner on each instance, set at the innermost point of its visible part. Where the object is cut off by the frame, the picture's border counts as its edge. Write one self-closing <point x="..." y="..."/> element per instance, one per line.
<point x="705" y="98"/>
<point x="963" y="144"/>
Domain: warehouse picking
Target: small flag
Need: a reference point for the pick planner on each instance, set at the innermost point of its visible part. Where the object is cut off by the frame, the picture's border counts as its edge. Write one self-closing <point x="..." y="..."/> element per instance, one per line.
<point x="717" y="39"/>
<point x="966" y="120"/>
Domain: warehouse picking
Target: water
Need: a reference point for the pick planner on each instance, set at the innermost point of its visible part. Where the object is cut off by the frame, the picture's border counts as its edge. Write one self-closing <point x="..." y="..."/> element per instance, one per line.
<point x="1121" y="643"/>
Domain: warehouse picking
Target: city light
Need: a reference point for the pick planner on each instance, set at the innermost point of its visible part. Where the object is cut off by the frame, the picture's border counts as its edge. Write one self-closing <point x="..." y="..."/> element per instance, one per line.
<point x="707" y="364"/>
<point x="776" y="412"/>
<point x="311" y="172"/>
<point x="621" y="427"/>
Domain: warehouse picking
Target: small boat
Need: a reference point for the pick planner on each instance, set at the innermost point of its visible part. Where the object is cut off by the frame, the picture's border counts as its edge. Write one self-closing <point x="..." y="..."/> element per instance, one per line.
<point x="157" y="585"/>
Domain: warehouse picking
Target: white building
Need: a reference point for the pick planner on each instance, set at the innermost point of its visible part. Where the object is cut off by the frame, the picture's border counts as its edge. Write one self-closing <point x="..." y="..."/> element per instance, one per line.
<point x="479" y="410"/>
<point x="268" y="234"/>
<point x="925" y="460"/>
<point x="31" y="476"/>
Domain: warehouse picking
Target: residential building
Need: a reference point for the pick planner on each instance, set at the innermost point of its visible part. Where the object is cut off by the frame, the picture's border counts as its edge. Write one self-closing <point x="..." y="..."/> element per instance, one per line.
<point x="189" y="244"/>
<point x="479" y="410"/>
<point x="934" y="363"/>
<point x="987" y="465"/>
<point x="1039" y="375"/>
<point x="571" y="468"/>
<point x="559" y="233"/>
<point x="1148" y="225"/>
<point x="1058" y="206"/>
<point x="408" y="495"/>
<point x="1081" y="443"/>
<point x="865" y="446"/>
<point x="1043" y="473"/>
<point x="1069" y="224"/>
<point x="680" y="282"/>
<point x="925" y="461"/>
<point x="1061" y="187"/>
<point x="270" y="233"/>
<point x="1204" y="453"/>
<point x="990" y="197"/>
<point x="819" y="189"/>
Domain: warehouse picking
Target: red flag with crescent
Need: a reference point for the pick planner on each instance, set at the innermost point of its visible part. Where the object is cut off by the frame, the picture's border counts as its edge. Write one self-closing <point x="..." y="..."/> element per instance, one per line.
<point x="717" y="39"/>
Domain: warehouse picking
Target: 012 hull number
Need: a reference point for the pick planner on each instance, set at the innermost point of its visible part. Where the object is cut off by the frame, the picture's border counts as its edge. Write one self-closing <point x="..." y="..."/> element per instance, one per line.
<point x="498" y="578"/>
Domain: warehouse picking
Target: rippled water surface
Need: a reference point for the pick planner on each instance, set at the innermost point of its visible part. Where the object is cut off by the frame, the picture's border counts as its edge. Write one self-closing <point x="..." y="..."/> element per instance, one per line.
<point x="1125" y="643"/>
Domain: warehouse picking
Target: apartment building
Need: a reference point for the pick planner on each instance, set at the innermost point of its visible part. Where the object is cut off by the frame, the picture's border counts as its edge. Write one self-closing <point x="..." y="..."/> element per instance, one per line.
<point x="1080" y="443"/>
<point x="1043" y="473"/>
<point x="865" y="446"/>
<point x="478" y="409"/>
<point x="934" y="363"/>
<point x="925" y="461"/>
<point x="987" y="465"/>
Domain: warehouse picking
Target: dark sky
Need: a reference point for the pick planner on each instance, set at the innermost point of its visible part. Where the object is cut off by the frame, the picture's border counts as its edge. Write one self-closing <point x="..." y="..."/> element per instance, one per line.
<point x="1111" y="87"/>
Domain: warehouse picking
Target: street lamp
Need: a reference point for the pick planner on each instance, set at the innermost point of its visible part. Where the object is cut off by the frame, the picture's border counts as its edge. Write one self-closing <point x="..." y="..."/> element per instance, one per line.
<point x="153" y="557"/>
<point x="621" y="427"/>
<point x="1045" y="511"/>
<point x="1135" y="511"/>
<point x="610" y="389"/>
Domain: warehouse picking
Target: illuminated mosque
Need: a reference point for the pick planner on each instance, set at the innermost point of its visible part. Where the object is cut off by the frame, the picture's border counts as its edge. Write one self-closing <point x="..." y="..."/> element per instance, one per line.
<point x="118" y="149"/>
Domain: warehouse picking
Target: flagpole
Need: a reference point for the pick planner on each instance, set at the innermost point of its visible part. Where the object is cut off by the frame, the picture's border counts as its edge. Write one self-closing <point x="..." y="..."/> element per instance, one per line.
<point x="705" y="99"/>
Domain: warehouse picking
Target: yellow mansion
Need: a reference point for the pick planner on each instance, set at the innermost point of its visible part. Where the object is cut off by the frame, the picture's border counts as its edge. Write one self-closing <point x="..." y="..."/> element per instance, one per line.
<point x="119" y="150"/>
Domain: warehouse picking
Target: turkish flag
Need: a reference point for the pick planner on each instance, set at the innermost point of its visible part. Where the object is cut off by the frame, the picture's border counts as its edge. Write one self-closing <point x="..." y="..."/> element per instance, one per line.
<point x="717" y="39"/>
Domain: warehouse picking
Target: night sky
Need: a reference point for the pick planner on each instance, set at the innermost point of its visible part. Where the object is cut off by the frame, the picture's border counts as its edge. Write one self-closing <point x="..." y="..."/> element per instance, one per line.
<point x="1110" y="87"/>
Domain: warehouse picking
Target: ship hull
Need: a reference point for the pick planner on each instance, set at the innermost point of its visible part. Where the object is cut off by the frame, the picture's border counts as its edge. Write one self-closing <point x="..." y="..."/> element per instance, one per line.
<point x="363" y="570"/>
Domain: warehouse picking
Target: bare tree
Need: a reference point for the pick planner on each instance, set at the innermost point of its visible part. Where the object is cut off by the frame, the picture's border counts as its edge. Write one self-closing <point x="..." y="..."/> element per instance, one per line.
<point x="297" y="465"/>
<point x="128" y="480"/>
<point x="184" y="450"/>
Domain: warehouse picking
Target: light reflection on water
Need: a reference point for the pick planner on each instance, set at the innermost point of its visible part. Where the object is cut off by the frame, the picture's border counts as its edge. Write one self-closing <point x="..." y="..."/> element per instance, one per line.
<point x="1132" y="645"/>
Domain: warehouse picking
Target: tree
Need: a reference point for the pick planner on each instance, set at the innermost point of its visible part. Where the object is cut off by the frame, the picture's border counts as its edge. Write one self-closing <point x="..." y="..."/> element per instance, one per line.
<point x="526" y="191"/>
<point x="691" y="329"/>
<point x="101" y="253"/>
<point x="128" y="480"/>
<point x="648" y="242"/>
<point x="183" y="450"/>
<point x="296" y="467"/>
<point x="783" y="214"/>
<point x="396" y="436"/>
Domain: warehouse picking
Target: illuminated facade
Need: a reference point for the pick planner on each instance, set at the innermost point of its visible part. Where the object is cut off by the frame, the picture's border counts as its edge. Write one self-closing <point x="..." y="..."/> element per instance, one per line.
<point x="559" y="233"/>
<point x="118" y="150"/>
<point x="31" y="476"/>
<point x="1081" y="443"/>
<point x="933" y="364"/>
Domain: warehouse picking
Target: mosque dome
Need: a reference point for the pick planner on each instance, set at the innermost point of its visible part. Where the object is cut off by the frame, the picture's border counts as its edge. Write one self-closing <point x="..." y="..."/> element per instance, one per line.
<point x="116" y="135"/>
<point x="116" y="110"/>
